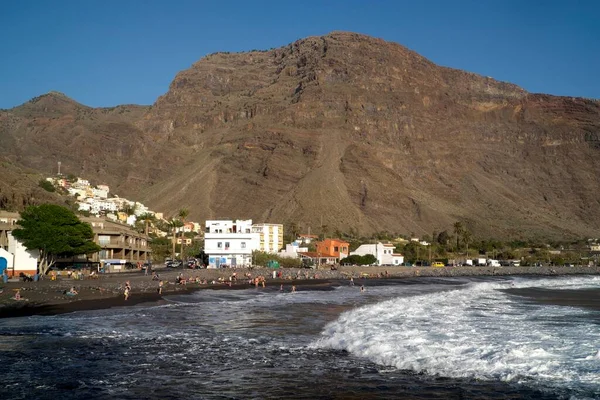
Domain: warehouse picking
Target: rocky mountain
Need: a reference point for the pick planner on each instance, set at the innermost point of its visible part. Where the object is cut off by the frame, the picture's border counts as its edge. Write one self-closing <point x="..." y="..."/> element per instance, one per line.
<point x="342" y="130"/>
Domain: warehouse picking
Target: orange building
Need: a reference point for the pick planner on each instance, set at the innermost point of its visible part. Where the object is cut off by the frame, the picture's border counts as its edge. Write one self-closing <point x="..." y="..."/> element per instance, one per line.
<point x="333" y="248"/>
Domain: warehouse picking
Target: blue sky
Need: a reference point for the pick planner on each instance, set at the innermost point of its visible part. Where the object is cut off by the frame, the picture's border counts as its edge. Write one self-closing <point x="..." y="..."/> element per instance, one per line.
<point x="104" y="53"/>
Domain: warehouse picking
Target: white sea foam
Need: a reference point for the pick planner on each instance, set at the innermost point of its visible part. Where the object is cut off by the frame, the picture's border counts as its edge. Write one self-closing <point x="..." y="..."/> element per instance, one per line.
<point x="474" y="332"/>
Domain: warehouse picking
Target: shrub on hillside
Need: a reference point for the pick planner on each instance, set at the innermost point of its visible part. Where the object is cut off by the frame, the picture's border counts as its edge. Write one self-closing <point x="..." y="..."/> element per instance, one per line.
<point x="47" y="186"/>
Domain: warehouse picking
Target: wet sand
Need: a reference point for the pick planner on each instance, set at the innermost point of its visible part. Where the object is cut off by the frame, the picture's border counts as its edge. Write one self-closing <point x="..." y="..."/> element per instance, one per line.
<point x="47" y="297"/>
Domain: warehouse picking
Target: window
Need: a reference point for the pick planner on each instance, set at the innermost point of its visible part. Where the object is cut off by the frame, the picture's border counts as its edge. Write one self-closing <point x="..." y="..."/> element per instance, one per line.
<point x="103" y="240"/>
<point x="336" y="248"/>
<point x="243" y="244"/>
<point x="226" y="245"/>
<point x="220" y="245"/>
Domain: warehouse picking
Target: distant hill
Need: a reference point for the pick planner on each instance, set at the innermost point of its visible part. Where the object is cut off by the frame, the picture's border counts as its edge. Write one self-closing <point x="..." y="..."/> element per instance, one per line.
<point x="342" y="130"/>
<point x="19" y="188"/>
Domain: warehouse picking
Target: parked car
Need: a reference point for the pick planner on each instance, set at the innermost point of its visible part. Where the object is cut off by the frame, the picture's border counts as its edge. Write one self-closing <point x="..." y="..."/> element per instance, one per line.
<point x="422" y="264"/>
<point x="438" y="264"/>
<point x="173" y="264"/>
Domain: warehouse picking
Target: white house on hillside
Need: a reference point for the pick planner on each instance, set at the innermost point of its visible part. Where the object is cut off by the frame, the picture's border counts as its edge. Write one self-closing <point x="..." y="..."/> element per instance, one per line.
<point x="230" y="243"/>
<point x="383" y="252"/>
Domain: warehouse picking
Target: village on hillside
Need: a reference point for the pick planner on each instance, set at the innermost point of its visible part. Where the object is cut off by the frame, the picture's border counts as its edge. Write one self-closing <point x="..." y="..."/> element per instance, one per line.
<point x="131" y="236"/>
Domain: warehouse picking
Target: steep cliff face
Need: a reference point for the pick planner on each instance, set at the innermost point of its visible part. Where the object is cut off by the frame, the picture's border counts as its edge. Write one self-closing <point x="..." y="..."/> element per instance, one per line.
<point x="342" y="130"/>
<point x="358" y="132"/>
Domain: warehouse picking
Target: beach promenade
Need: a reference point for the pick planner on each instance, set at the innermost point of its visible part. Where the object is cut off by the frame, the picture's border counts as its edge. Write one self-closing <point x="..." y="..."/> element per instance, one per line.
<point x="48" y="297"/>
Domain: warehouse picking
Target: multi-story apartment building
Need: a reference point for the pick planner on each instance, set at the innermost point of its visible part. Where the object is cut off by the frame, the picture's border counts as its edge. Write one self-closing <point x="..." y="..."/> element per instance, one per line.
<point x="270" y="237"/>
<point x="229" y="243"/>
<point x="119" y="243"/>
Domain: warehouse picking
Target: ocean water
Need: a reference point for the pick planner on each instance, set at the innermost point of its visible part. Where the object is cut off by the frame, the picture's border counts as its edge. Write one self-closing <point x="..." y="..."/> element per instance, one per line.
<point x="421" y="338"/>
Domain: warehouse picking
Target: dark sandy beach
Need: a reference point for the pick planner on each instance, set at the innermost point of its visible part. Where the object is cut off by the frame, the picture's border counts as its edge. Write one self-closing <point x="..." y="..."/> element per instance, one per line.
<point x="47" y="297"/>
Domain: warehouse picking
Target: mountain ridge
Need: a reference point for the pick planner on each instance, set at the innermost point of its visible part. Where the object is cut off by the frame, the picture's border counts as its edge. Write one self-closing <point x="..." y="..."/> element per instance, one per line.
<point x="353" y="131"/>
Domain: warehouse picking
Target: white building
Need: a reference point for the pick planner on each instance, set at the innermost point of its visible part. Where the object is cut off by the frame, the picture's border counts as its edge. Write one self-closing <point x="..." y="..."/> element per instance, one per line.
<point x="100" y="193"/>
<point x="230" y="243"/>
<point x="271" y="237"/>
<point x="140" y="209"/>
<point x="383" y="252"/>
<point x="77" y="192"/>
<point x="131" y="219"/>
<point x="14" y="257"/>
<point x="82" y="183"/>
<point x="292" y="250"/>
<point x="102" y="205"/>
<point x="84" y="206"/>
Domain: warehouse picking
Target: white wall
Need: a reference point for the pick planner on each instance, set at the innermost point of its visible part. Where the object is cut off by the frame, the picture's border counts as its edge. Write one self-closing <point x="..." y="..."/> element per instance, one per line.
<point x="384" y="254"/>
<point x="24" y="260"/>
<point x="230" y="248"/>
<point x="292" y="250"/>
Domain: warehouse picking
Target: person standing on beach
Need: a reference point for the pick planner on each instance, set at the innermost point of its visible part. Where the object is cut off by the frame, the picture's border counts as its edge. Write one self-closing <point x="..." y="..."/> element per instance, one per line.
<point x="127" y="291"/>
<point x="351" y="281"/>
<point x="160" y="286"/>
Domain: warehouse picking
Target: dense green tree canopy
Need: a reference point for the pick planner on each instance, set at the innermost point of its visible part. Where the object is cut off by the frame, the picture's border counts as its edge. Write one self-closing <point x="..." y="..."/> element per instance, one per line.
<point x="355" y="259"/>
<point x="54" y="231"/>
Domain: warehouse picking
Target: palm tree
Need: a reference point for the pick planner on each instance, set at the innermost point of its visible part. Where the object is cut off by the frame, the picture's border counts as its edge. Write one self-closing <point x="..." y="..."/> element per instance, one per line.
<point x="146" y="218"/>
<point x="293" y="231"/>
<point x="183" y="214"/>
<point x="458" y="230"/>
<point x="324" y="231"/>
<point x="129" y="209"/>
<point x="173" y="224"/>
<point x="467" y="236"/>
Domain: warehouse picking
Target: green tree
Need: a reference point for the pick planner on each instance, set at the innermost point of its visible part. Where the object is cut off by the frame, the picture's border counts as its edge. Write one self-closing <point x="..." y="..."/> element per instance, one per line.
<point x="458" y="231"/>
<point x="443" y="238"/>
<point x="54" y="231"/>
<point x="129" y="209"/>
<point x="161" y="248"/>
<point x="467" y="237"/>
<point x="355" y="259"/>
<point x="261" y="258"/>
<point x="47" y="186"/>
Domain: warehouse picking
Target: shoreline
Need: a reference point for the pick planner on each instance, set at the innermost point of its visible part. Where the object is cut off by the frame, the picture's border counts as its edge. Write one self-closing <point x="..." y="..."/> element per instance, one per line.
<point x="47" y="297"/>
